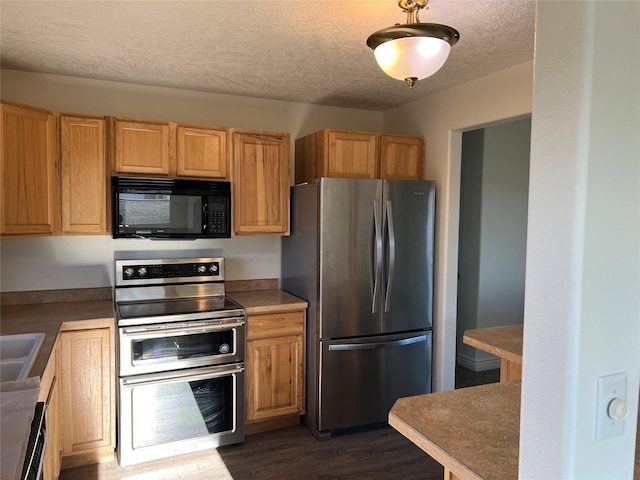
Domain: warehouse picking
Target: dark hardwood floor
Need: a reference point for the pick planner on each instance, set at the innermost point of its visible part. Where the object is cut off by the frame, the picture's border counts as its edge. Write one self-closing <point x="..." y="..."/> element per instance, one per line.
<point x="293" y="453"/>
<point x="287" y="454"/>
<point x="469" y="378"/>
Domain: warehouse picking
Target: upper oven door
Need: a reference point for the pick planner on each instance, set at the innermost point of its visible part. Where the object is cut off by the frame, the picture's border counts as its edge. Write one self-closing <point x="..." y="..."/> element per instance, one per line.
<point x="179" y="345"/>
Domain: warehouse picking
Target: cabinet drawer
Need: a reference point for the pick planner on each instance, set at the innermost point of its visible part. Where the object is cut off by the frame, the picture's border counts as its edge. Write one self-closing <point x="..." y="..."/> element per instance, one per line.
<point x="275" y="325"/>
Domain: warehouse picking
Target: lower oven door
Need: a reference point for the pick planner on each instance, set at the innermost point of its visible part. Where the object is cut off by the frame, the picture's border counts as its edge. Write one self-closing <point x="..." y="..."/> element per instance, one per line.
<point x="172" y="346"/>
<point x="166" y="414"/>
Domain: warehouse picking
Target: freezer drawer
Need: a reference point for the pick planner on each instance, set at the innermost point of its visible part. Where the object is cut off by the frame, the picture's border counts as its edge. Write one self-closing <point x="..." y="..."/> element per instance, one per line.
<point x="360" y="379"/>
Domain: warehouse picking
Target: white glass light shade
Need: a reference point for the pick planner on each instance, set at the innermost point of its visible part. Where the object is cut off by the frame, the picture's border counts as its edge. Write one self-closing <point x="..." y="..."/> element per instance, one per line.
<point x="412" y="57"/>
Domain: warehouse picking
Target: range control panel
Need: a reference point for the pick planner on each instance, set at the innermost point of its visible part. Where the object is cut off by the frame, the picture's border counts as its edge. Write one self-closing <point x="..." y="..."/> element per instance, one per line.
<point x="137" y="272"/>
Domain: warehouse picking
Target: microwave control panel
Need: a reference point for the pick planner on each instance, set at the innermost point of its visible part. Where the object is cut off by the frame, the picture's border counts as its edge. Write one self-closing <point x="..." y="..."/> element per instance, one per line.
<point x="218" y="215"/>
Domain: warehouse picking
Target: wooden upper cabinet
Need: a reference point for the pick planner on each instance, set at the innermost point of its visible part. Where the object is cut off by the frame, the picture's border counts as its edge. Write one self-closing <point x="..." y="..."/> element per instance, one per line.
<point x="84" y="175"/>
<point x="29" y="171"/>
<point x="142" y="147"/>
<point x="170" y="149"/>
<point x="347" y="154"/>
<point x="351" y="154"/>
<point x="401" y="157"/>
<point x="202" y="152"/>
<point x="260" y="183"/>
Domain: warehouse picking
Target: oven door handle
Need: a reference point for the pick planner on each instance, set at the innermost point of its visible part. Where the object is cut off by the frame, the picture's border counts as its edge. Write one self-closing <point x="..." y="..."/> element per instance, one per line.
<point x="182" y="376"/>
<point x="183" y="329"/>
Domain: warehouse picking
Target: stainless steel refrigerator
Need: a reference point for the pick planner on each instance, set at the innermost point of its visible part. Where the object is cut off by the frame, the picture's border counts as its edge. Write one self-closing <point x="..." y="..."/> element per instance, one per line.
<point x="361" y="253"/>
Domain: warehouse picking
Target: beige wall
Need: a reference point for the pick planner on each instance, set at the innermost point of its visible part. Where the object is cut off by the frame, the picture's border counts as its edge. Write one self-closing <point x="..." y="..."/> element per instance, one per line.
<point x="441" y="118"/>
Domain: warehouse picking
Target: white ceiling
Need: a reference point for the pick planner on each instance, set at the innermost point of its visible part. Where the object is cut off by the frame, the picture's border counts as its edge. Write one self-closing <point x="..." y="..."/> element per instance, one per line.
<point x="310" y="51"/>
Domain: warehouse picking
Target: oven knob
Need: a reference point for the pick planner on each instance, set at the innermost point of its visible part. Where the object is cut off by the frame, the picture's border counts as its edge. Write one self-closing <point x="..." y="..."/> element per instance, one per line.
<point x="224" y="348"/>
<point x="202" y="269"/>
<point x="213" y="267"/>
<point x="128" y="272"/>
<point x="142" y="271"/>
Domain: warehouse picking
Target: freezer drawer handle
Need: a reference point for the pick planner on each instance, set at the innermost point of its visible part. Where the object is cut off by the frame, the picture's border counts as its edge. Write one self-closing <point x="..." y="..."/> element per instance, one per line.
<point x="376" y="345"/>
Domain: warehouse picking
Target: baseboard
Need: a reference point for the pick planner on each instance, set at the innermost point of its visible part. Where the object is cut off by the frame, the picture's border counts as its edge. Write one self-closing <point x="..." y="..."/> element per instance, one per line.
<point x="271" y="424"/>
<point x="476" y="365"/>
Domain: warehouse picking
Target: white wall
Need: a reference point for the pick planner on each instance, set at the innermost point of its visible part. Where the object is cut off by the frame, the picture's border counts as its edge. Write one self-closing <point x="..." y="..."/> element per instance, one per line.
<point x="87" y="261"/>
<point x="582" y="312"/>
<point x="441" y="118"/>
<point x="498" y="259"/>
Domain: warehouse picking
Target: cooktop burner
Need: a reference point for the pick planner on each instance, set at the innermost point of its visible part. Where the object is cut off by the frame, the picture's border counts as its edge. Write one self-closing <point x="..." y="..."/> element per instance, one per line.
<point x="171" y="290"/>
<point x="179" y="307"/>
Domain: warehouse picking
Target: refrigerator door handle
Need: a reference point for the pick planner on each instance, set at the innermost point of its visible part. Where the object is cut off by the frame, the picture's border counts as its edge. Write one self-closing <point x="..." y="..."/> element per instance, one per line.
<point x="377" y="252"/>
<point x="377" y="345"/>
<point x="392" y="256"/>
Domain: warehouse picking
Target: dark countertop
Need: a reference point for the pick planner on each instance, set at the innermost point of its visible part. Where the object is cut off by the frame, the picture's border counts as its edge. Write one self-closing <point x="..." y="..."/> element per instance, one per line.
<point x="256" y="302"/>
<point x="47" y="318"/>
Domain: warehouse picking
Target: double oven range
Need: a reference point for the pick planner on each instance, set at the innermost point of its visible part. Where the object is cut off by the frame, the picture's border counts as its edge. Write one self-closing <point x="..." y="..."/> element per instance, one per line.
<point x="180" y="358"/>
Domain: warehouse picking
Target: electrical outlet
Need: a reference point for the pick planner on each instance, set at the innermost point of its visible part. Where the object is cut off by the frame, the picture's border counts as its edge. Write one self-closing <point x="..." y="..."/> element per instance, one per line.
<point x="611" y="408"/>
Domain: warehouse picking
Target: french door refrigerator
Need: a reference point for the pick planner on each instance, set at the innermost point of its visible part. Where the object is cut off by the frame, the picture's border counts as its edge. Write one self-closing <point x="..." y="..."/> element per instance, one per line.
<point x="361" y="254"/>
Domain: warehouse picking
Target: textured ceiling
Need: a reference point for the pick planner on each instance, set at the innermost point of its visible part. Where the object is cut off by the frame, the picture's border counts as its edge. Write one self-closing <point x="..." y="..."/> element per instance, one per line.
<point x="311" y="52"/>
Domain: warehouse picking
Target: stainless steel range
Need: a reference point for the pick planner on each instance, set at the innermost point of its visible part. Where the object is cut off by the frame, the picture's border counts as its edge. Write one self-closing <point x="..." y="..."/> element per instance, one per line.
<point x="181" y="358"/>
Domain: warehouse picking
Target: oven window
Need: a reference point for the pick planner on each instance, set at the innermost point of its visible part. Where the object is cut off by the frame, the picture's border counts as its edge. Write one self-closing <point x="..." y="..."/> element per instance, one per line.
<point x="181" y="347"/>
<point x="170" y="412"/>
<point x="174" y="213"/>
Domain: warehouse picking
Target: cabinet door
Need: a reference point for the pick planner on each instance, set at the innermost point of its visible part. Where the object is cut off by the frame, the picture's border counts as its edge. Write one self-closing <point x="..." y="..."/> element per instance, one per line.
<point x="274" y="377"/>
<point x="202" y="152"/>
<point x="50" y="381"/>
<point x="88" y="395"/>
<point x="260" y="183"/>
<point x="29" y="172"/>
<point x="142" y="147"/>
<point x="351" y="154"/>
<point x="84" y="175"/>
<point x="401" y="157"/>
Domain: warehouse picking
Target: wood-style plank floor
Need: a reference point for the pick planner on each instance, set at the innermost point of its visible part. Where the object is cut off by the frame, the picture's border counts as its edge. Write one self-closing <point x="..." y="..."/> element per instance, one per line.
<point x="287" y="454"/>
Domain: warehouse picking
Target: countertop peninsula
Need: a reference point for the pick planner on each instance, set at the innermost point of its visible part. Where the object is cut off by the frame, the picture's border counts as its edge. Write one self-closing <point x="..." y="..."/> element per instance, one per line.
<point x="504" y="342"/>
<point x="473" y="432"/>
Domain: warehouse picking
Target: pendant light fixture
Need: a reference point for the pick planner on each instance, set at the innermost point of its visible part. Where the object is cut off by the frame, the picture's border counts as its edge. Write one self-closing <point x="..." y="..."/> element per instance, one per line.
<point x="414" y="50"/>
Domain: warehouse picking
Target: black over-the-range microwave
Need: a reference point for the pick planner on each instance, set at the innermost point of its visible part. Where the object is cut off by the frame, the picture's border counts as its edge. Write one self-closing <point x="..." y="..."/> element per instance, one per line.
<point x="159" y="208"/>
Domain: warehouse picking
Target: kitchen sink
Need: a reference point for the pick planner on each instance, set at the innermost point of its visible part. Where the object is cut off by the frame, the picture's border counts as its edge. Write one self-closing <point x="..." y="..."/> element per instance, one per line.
<point x="17" y="354"/>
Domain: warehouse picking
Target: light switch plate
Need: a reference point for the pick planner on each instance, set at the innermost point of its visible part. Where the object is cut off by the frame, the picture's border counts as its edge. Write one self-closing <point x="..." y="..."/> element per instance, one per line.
<point x="609" y="388"/>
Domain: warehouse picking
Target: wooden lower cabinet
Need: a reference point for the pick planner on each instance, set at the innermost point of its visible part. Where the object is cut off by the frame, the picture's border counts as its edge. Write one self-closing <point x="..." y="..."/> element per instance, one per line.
<point x="50" y="394"/>
<point x="87" y="372"/>
<point x="274" y="370"/>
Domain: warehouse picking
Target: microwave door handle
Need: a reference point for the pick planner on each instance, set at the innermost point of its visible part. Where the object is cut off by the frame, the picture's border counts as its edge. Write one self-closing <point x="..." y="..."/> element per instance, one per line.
<point x="205" y="208"/>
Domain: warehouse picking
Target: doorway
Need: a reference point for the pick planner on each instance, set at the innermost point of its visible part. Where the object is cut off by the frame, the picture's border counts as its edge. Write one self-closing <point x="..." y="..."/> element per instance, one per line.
<point x="492" y="239"/>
